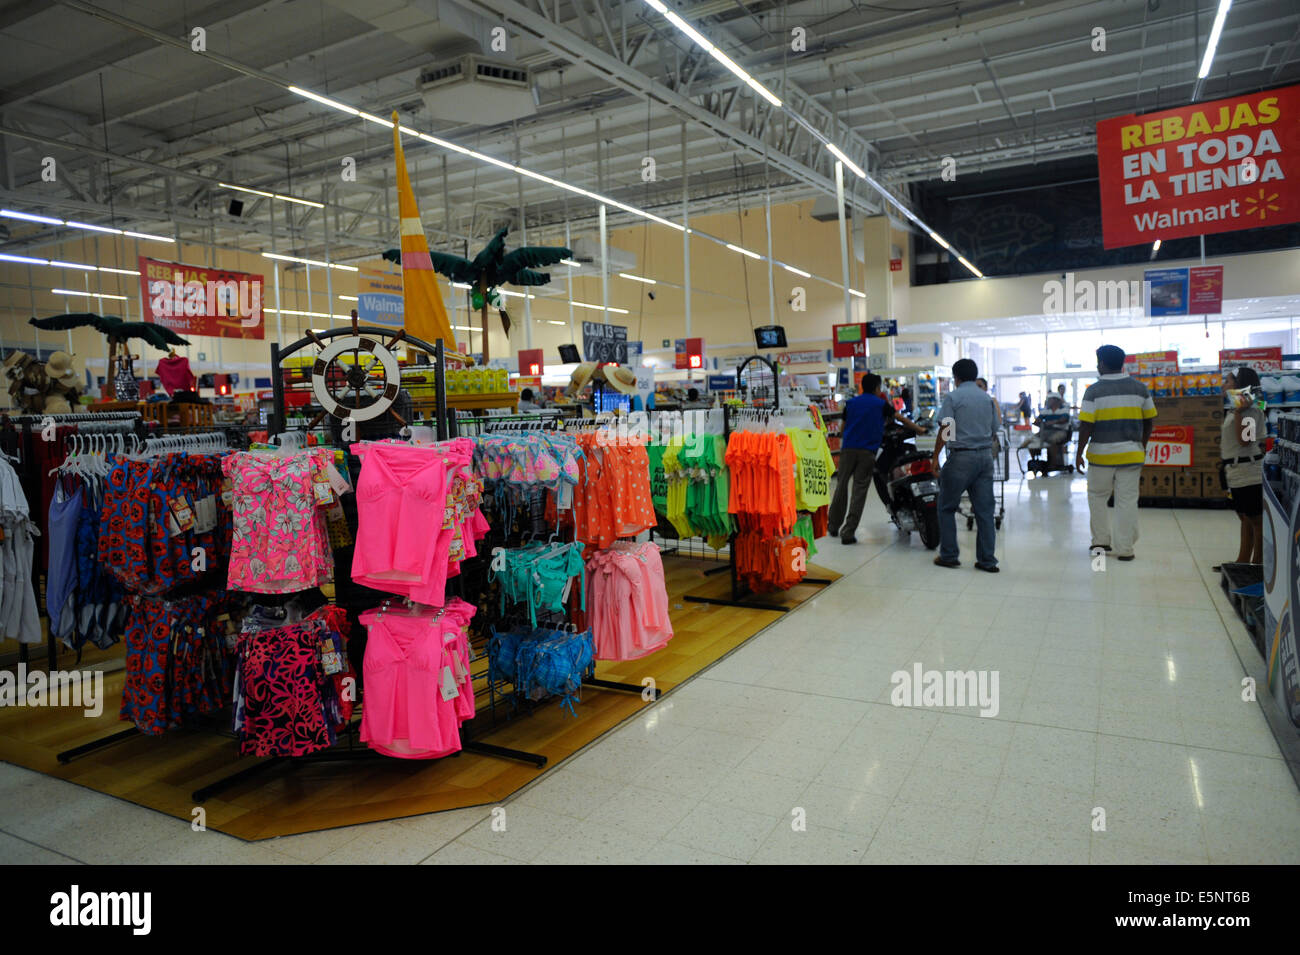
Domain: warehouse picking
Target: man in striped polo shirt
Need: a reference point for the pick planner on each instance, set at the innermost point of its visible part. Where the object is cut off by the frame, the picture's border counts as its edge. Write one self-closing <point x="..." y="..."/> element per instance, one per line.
<point x="1114" y="425"/>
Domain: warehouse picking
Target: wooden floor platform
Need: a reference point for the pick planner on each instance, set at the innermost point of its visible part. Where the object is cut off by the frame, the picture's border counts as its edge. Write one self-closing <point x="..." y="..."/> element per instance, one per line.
<point x="294" y="796"/>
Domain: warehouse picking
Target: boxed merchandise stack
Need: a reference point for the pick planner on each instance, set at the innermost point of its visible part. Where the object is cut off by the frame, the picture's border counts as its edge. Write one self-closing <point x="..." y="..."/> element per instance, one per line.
<point x="1202" y="415"/>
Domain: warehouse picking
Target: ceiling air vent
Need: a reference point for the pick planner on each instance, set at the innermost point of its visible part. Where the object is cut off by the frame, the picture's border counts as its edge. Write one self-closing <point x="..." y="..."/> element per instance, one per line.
<point x="472" y="89"/>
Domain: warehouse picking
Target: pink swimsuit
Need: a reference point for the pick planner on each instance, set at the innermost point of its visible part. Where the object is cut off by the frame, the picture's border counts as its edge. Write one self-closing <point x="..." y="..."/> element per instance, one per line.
<point x="418" y="688"/>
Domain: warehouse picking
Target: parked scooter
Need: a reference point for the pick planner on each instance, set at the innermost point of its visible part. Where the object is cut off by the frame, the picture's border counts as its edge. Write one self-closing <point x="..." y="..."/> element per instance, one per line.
<point x="908" y="486"/>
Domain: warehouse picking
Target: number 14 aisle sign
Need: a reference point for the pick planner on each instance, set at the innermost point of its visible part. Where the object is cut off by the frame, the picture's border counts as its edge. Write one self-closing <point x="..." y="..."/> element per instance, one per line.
<point x="1171" y="446"/>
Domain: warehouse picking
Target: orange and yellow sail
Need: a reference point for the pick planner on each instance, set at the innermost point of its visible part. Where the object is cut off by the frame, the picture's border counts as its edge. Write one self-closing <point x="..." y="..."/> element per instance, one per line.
<point x="424" y="313"/>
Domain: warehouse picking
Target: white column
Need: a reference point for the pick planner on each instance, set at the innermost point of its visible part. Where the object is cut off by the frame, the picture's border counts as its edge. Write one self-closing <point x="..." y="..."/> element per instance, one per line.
<point x="604" y="266"/>
<point x="844" y="240"/>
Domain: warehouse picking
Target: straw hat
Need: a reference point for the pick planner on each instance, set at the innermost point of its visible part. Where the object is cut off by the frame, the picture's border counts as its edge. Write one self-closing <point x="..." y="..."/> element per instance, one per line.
<point x="17" y="358"/>
<point x="580" y="378"/>
<point x="60" y="365"/>
<point x="621" y="378"/>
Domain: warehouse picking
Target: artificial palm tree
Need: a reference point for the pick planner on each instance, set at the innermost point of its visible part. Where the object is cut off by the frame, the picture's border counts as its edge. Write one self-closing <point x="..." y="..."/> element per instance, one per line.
<point x="492" y="267"/>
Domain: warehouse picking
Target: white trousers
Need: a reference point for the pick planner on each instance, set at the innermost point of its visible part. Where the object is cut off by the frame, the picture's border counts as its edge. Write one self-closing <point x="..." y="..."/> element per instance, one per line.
<point x="1120" y="530"/>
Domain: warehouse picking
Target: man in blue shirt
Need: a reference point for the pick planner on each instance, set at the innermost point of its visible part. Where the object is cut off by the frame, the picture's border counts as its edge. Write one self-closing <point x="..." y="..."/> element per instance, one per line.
<point x="968" y="425"/>
<point x="864" y="428"/>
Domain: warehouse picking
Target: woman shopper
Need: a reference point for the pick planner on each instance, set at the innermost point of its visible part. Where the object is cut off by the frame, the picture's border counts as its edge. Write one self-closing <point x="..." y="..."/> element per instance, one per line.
<point x="1242" y="464"/>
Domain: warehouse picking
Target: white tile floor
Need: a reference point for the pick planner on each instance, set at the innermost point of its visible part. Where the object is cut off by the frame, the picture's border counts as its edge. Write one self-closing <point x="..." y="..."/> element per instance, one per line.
<point x="1119" y="691"/>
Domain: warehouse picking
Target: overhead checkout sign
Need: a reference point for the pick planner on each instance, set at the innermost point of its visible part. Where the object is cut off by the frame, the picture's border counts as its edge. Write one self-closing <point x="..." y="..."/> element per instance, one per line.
<point x="882" y="328"/>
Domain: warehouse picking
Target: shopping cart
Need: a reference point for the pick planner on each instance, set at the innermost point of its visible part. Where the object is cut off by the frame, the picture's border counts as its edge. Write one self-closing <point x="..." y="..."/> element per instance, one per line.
<point x="1001" y="464"/>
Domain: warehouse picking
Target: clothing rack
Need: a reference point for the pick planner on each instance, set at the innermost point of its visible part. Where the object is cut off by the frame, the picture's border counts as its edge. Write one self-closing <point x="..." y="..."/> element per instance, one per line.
<point x="445" y="426"/>
<point x="742" y="596"/>
<point x="526" y="422"/>
<point x="20" y="432"/>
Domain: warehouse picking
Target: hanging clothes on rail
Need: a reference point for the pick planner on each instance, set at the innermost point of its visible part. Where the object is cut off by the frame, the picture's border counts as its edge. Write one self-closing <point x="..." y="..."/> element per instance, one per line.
<point x="627" y="602"/>
<point x="165" y="521"/>
<point x="612" y="498"/>
<point x="539" y="576"/>
<point x="418" y="517"/>
<point x="540" y="662"/>
<point x="179" y="658"/>
<point x="19" y="617"/>
<point x="417" y="678"/>
<point x="280" y="541"/>
<point x="772" y="542"/>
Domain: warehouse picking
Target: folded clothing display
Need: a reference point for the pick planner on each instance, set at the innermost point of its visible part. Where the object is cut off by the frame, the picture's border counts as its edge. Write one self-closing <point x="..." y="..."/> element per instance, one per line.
<point x="627" y="601"/>
<point x="280" y="542"/>
<point x="418" y="516"/>
<point x="417" y="679"/>
<point x="541" y="662"/>
<point x="179" y="658"/>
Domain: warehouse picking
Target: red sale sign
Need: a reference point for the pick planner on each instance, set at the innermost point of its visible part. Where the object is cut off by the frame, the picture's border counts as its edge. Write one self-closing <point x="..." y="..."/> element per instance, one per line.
<point x="194" y="300"/>
<point x="1171" y="446"/>
<point x="1212" y="167"/>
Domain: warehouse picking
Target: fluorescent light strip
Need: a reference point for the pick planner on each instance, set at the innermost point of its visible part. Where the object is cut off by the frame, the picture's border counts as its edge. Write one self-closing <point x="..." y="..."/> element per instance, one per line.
<point x="637" y="278"/>
<point x="271" y="195"/>
<point x="600" y="308"/>
<point x="255" y="192"/>
<point x="68" y="291"/>
<point x="839" y="154"/>
<point x="736" y="248"/>
<point x="799" y="272"/>
<point x="962" y="260"/>
<point x="483" y="157"/>
<point x="324" y="99"/>
<point x="1156" y="246"/>
<point x="348" y="298"/>
<point x="57" y="264"/>
<point x="1213" y="43"/>
<point x="290" y="311"/>
<point x="551" y="321"/>
<point x="854" y="291"/>
<point x="27" y="216"/>
<point x="571" y="264"/>
<point x="315" y="262"/>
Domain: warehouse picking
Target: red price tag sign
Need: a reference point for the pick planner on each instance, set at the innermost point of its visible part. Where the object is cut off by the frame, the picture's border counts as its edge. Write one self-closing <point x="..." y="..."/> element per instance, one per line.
<point x="1170" y="446"/>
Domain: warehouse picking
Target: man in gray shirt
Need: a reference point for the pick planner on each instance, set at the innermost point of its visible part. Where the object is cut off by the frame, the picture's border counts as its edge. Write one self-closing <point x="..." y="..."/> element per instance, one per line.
<point x="968" y="426"/>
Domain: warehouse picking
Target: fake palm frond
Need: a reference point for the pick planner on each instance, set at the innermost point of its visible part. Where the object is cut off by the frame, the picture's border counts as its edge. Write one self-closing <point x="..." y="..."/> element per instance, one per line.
<point x="493" y="266"/>
<point x="454" y="267"/>
<point x="531" y="256"/>
<point x="159" y="336"/>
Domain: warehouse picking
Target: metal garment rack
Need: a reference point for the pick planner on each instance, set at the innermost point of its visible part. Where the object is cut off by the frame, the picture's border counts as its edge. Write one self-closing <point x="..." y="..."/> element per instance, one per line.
<point x="742" y="596"/>
<point x="546" y="423"/>
<point x="445" y="427"/>
<point x="196" y="441"/>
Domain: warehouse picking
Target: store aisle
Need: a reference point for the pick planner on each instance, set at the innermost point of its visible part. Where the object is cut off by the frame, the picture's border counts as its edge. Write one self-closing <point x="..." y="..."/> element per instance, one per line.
<point x="1118" y="690"/>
